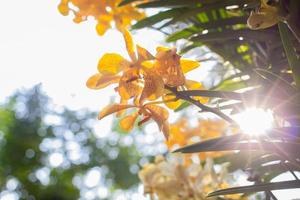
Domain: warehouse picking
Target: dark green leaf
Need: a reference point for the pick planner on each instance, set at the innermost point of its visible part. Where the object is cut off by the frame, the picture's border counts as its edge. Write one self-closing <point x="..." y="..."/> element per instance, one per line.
<point x="169" y="3"/>
<point x="258" y="188"/>
<point x="149" y="21"/>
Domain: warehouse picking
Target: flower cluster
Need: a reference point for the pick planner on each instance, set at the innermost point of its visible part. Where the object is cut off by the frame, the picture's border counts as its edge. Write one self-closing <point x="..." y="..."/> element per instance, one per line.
<point x="141" y="80"/>
<point x="173" y="180"/>
<point x="104" y="11"/>
<point x="181" y="134"/>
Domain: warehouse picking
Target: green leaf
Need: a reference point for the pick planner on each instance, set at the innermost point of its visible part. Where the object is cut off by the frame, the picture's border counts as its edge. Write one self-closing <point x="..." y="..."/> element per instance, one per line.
<point x="246" y="97"/>
<point x="258" y="188"/>
<point x="219" y="5"/>
<point x="231" y="85"/>
<point x="240" y="160"/>
<point x="234" y="34"/>
<point x="183" y="34"/>
<point x="270" y="142"/>
<point x="169" y="3"/>
<point x="212" y="24"/>
<point x="190" y="47"/>
<point x="291" y="55"/>
<point x="149" y="21"/>
<point x="182" y="106"/>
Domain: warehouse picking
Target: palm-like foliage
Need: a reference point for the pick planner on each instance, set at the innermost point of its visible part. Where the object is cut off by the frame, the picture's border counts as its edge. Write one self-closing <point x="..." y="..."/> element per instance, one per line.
<point x="269" y="58"/>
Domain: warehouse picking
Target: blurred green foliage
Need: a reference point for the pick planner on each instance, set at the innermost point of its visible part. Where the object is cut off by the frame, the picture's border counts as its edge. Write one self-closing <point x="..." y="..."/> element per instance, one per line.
<point x="28" y="139"/>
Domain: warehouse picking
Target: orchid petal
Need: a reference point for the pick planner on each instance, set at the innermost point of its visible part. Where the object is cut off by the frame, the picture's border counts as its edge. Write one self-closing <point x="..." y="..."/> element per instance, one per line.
<point x="188" y="65"/>
<point x="112" y="63"/>
<point x="99" y="81"/>
<point x="110" y="109"/>
<point x="127" y="122"/>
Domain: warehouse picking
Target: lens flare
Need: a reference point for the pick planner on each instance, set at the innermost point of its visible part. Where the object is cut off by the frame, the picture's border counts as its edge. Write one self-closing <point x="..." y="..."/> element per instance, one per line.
<point x="255" y="121"/>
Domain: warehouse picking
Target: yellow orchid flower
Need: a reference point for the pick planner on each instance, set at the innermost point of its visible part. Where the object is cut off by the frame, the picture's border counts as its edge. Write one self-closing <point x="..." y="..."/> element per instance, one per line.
<point x="134" y="81"/>
<point x="172" y="179"/>
<point x="170" y="66"/>
<point x="104" y="11"/>
<point x="181" y="134"/>
<point x="148" y="111"/>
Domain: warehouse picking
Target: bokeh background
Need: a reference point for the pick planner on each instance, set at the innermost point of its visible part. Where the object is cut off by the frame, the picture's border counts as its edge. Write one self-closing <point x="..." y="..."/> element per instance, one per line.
<point x="51" y="145"/>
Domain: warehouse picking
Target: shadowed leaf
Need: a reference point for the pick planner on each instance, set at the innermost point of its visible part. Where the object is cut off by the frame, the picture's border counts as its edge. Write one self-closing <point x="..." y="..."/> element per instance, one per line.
<point x="258" y="188"/>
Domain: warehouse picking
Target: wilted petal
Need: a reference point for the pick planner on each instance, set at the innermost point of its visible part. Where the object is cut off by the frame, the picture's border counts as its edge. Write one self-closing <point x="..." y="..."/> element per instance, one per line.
<point x="153" y="86"/>
<point x="98" y="81"/>
<point x="127" y="122"/>
<point x="188" y="65"/>
<point x="110" y="109"/>
<point x="112" y="63"/>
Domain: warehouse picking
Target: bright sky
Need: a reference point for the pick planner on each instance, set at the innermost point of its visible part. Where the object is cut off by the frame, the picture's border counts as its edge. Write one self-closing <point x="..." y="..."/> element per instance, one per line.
<point x="38" y="45"/>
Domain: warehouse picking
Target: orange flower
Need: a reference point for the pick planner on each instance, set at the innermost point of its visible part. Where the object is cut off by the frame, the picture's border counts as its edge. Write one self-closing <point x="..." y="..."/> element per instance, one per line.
<point x="148" y="111"/>
<point x="171" y="66"/>
<point x="135" y="81"/>
<point x="181" y="134"/>
<point x="143" y="78"/>
<point x="104" y="11"/>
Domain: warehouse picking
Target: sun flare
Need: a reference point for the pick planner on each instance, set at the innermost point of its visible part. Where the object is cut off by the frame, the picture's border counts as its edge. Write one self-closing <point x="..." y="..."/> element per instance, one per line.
<point x="255" y="121"/>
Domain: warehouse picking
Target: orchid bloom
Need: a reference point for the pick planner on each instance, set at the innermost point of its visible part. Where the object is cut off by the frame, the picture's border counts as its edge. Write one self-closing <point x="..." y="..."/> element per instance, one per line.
<point x="148" y="111"/>
<point x="171" y="179"/>
<point x="172" y="68"/>
<point x="142" y="78"/>
<point x="104" y="11"/>
<point x="134" y="80"/>
<point x="181" y="134"/>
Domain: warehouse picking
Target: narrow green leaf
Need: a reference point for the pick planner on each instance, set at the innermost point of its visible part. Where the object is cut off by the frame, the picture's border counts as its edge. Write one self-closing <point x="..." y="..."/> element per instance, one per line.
<point x="231" y="85"/>
<point x="182" y="106"/>
<point x="291" y="55"/>
<point x="149" y="21"/>
<point x="169" y="3"/>
<point x="205" y="8"/>
<point x="258" y="188"/>
<point x="212" y="24"/>
<point x="235" y="34"/>
<point x="270" y="142"/>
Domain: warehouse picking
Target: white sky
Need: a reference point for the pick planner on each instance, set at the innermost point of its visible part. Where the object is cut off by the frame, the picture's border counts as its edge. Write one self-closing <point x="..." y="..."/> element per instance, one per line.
<point x="38" y="45"/>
